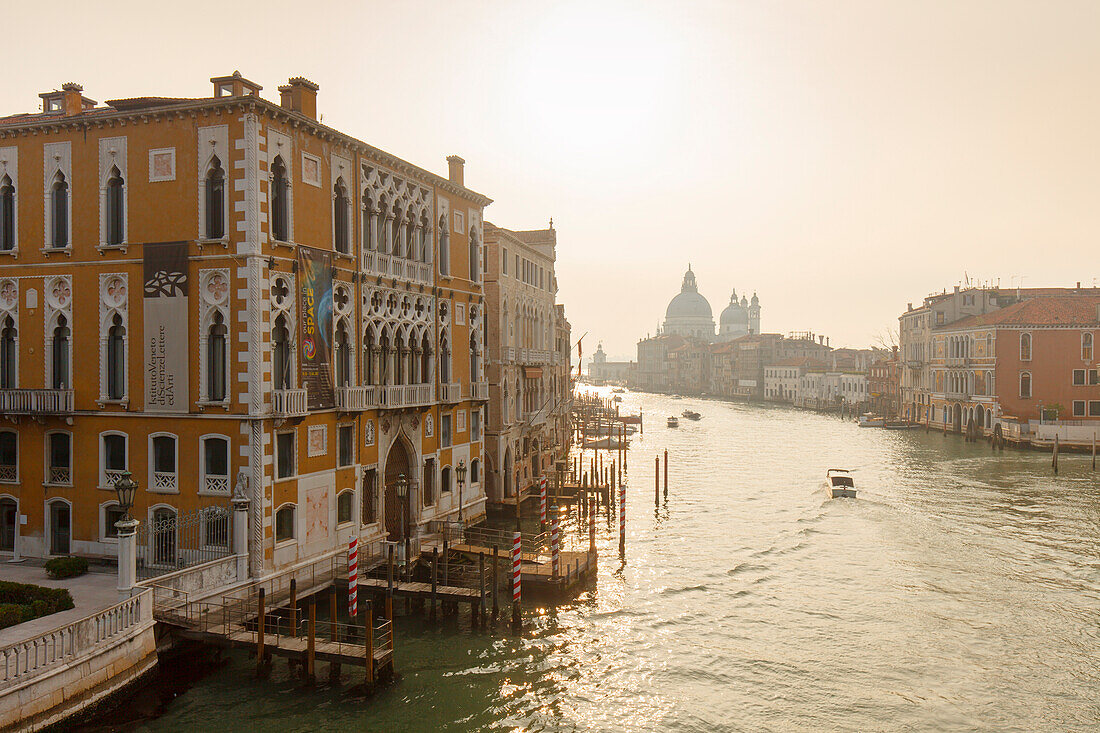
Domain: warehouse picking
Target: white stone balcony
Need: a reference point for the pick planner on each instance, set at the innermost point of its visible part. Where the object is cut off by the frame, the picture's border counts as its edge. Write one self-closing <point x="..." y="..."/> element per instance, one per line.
<point x="112" y="476"/>
<point x="164" y="481"/>
<point x="377" y="263"/>
<point x="36" y="401"/>
<point x="450" y="392"/>
<point x="395" y="396"/>
<point x="354" y="399"/>
<point x="479" y="390"/>
<point x="60" y="475"/>
<point x="508" y="355"/>
<point x="537" y="417"/>
<point x="536" y="356"/>
<point x="289" y="402"/>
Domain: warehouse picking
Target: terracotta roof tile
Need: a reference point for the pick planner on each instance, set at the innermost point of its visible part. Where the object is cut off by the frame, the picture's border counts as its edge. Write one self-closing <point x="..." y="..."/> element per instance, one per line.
<point x="1050" y="310"/>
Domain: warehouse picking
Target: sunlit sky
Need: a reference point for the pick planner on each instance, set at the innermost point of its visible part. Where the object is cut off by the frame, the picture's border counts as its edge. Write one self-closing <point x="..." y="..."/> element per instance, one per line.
<point x="840" y="158"/>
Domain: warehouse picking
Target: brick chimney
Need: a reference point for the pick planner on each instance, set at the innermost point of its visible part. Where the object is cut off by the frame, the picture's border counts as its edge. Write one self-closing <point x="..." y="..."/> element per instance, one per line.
<point x="299" y="95"/>
<point x="69" y="101"/>
<point x="455" y="169"/>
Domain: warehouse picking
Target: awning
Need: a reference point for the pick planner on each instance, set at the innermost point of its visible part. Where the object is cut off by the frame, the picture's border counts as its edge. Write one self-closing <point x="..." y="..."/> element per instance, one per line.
<point x="532" y="372"/>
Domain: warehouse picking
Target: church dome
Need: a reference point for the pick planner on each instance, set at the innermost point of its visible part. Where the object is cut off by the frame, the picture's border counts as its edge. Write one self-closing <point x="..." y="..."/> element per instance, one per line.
<point x="689" y="303"/>
<point x="734" y="314"/>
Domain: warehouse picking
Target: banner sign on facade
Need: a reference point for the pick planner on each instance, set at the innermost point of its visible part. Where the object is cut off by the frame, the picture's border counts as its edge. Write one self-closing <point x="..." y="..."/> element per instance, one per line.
<point x="315" y="271"/>
<point x="166" y="334"/>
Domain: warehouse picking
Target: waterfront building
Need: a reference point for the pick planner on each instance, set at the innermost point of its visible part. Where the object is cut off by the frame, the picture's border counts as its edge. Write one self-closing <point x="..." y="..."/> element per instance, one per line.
<point x="783" y="378"/>
<point x="601" y="370"/>
<point x="916" y="326"/>
<point x="689" y="367"/>
<point x="883" y="383"/>
<point x="530" y="393"/>
<point x="652" y="372"/>
<point x="224" y="295"/>
<point x="842" y="383"/>
<point x="1021" y="366"/>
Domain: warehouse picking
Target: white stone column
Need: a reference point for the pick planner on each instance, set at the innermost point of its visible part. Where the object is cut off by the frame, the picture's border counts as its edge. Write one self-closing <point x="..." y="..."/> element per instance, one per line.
<point x="127" y="556"/>
<point x="240" y="535"/>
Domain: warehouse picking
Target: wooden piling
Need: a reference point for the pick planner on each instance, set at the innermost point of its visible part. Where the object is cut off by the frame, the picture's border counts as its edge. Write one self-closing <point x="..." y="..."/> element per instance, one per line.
<point x="657" y="481"/>
<point x="496" y="586"/>
<point x="445" y="561"/>
<point x="389" y="585"/>
<point x="1094" y="450"/>
<point x="332" y="613"/>
<point x="368" y="641"/>
<point x="311" y="642"/>
<point x="435" y="579"/>
<point x="293" y="606"/>
<point x="260" y="621"/>
<point x="1054" y="460"/>
<point x="481" y="588"/>
<point x="666" y="472"/>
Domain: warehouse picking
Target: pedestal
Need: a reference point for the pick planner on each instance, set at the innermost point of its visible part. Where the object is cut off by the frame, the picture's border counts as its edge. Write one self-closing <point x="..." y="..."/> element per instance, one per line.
<point x="240" y="535"/>
<point x="127" y="556"/>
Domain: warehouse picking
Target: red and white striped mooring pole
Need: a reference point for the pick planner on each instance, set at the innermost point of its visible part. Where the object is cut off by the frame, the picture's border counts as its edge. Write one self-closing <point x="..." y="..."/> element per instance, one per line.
<point x="353" y="577"/>
<point x="516" y="560"/>
<point x="542" y="504"/>
<point x="622" y="520"/>
<point x="555" y="544"/>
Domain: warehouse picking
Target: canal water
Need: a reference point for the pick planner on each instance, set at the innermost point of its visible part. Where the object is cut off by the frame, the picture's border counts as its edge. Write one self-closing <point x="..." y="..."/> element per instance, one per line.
<point x="959" y="591"/>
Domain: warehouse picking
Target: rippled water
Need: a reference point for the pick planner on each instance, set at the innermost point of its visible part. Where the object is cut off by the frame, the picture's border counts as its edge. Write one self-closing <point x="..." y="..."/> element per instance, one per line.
<point x="959" y="591"/>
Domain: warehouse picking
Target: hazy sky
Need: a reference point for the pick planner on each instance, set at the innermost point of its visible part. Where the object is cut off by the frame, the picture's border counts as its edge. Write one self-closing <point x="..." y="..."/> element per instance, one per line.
<point x="840" y="158"/>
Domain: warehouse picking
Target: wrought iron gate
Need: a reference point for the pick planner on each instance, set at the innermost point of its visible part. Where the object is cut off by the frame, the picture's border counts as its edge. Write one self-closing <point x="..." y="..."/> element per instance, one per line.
<point x="172" y="540"/>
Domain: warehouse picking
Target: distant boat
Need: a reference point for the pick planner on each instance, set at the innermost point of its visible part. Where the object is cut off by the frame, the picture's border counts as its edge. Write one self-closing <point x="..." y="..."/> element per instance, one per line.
<point x="871" y="420"/>
<point x="690" y="415"/>
<point x="839" y="483"/>
<point x="630" y="419"/>
<point x="901" y="425"/>
<point x="618" y="390"/>
<point x="616" y="398"/>
<point x="673" y="421"/>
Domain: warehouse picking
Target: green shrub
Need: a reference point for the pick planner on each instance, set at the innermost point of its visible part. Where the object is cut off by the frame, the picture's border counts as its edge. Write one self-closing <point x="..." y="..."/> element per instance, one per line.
<point x="66" y="567"/>
<point x="21" y="602"/>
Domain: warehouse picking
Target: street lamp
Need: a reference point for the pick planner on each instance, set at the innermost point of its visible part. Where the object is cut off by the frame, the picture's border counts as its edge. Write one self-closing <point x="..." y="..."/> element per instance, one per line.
<point x="460" y="472"/>
<point x="125" y="488"/>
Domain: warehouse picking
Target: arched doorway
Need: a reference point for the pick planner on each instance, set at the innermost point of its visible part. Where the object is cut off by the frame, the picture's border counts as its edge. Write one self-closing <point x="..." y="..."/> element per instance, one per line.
<point x="60" y="528"/>
<point x="397" y="462"/>
<point x="508" y="490"/>
<point x="8" y="517"/>
<point x="958" y="418"/>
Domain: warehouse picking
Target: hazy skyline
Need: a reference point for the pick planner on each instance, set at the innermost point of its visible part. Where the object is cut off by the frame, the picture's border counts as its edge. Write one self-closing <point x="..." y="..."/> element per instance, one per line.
<point x="841" y="159"/>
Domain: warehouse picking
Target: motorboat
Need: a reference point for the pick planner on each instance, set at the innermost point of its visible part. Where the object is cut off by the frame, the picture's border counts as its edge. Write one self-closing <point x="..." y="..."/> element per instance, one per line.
<point x="901" y="425"/>
<point x="673" y="421"/>
<point x="690" y="415"/>
<point x="618" y="390"/>
<point x="839" y="483"/>
<point x="871" y="420"/>
<point x="616" y="398"/>
<point x="606" y="443"/>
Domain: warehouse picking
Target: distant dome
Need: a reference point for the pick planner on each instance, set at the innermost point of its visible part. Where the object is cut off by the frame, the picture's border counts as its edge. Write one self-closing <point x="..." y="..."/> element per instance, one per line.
<point x="689" y="303"/>
<point x="734" y="314"/>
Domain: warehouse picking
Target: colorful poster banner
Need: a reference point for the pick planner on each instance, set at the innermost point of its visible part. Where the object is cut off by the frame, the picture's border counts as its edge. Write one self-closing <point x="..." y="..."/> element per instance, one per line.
<point x="315" y="272"/>
<point x="164" y="292"/>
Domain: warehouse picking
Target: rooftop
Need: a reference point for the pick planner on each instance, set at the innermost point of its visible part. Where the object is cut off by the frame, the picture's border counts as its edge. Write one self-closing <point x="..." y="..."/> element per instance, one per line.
<point x="1054" y="310"/>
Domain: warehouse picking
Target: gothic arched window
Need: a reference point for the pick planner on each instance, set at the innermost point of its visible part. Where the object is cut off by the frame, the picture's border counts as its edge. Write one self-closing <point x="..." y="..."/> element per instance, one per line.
<point x="59" y="354"/>
<point x="280" y="347"/>
<point x="216" y="338"/>
<point x="369" y="242"/>
<point x="215" y="200"/>
<point x="341" y="209"/>
<point x="7" y="215"/>
<point x="475" y="259"/>
<point x="115" y="208"/>
<point x="444" y="247"/>
<point x="343" y="357"/>
<point x="116" y="359"/>
<point x="59" y="214"/>
<point x="280" y="205"/>
<point x="8" y="335"/>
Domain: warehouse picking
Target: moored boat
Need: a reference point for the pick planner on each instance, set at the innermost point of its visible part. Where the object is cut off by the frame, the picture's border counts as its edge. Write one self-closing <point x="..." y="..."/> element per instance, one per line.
<point x="839" y="483"/>
<point x="673" y="421"/>
<point x="901" y="425"/>
<point x="871" y="420"/>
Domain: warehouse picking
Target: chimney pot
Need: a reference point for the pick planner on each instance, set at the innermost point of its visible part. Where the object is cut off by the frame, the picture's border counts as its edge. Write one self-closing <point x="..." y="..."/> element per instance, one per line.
<point x="455" y="171"/>
<point x="299" y="95"/>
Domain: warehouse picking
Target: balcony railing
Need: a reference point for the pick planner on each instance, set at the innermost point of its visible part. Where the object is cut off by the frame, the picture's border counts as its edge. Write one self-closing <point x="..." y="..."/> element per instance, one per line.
<point x="508" y="355"/>
<point x="536" y="356"/>
<point x="216" y="484"/>
<point x="352" y="399"/>
<point x="450" y="392"/>
<point x="289" y="402"/>
<point x="60" y="475"/>
<point x="377" y="263"/>
<point x="111" y="476"/>
<point x="537" y="417"/>
<point x="36" y="401"/>
<point x="479" y="390"/>
<point x="9" y="473"/>
<point x="395" y="396"/>
<point x="164" y="481"/>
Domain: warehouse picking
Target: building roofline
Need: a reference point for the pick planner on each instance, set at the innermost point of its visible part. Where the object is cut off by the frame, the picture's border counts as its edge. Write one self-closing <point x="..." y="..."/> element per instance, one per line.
<point x="13" y="125"/>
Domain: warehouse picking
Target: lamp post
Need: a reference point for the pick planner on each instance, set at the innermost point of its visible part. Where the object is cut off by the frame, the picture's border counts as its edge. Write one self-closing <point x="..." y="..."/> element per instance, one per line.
<point x="460" y="473"/>
<point x="125" y="488"/>
<point x="401" y="485"/>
